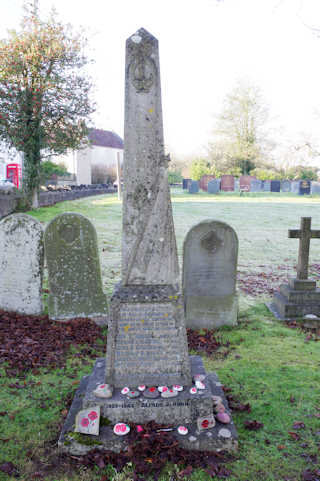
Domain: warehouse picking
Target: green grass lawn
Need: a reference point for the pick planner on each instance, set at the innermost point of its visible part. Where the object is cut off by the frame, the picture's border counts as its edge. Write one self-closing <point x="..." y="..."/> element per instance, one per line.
<point x="274" y="368"/>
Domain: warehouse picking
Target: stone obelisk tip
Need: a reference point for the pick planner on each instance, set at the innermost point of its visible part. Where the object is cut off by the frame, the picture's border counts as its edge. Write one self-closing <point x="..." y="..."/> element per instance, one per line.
<point x="149" y="252"/>
<point x="141" y="35"/>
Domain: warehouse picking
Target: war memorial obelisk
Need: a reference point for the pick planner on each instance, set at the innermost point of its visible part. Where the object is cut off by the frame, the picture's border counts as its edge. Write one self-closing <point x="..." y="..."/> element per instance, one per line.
<point x="148" y="327"/>
<point x="147" y="374"/>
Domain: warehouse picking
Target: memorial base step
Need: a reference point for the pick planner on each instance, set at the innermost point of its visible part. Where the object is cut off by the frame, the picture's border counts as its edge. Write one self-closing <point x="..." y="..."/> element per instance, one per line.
<point x="290" y="304"/>
<point x="185" y="409"/>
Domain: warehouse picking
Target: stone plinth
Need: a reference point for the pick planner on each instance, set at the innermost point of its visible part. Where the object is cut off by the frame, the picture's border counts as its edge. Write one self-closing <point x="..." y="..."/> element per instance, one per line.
<point x="147" y="338"/>
<point x="296" y="299"/>
<point x="184" y="409"/>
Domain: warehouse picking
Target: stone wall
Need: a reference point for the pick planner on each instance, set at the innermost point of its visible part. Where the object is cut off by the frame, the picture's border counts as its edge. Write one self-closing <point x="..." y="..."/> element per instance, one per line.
<point x="8" y="202"/>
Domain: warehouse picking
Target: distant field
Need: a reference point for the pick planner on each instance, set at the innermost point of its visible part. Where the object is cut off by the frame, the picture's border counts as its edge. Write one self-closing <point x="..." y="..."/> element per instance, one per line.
<point x="261" y="222"/>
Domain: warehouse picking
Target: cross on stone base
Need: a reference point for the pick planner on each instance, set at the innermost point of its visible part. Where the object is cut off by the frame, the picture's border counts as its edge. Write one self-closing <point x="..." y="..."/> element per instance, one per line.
<point x="304" y="234"/>
<point x="300" y="296"/>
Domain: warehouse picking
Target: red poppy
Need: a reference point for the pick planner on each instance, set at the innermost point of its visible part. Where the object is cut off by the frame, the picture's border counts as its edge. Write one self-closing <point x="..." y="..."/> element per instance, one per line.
<point x="205" y="423"/>
<point x="84" y="422"/>
<point x="92" y="415"/>
<point x="152" y="389"/>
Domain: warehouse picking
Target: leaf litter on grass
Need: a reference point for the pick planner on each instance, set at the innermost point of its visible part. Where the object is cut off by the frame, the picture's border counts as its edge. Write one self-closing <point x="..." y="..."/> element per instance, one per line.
<point x="31" y="342"/>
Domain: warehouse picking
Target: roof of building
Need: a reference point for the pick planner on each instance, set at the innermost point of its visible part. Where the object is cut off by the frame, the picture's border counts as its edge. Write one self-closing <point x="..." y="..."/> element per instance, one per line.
<point x="105" y="138"/>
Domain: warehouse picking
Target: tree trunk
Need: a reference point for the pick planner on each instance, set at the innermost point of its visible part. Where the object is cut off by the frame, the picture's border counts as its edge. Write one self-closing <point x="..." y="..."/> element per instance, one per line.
<point x="35" y="199"/>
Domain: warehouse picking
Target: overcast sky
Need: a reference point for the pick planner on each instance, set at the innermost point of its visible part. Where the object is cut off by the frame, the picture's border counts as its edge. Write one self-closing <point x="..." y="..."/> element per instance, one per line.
<point x="205" y="47"/>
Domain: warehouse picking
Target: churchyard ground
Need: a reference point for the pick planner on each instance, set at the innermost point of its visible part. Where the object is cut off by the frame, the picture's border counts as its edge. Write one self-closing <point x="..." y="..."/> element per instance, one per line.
<point x="264" y="362"/>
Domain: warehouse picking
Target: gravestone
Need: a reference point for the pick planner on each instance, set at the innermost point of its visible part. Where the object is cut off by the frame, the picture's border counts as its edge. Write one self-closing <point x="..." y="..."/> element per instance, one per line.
<point x="300" y="296"/>
<point x="256" y="185"/>
<point x="147" y="344"/>
<point x="210" y="254"/>
<point x="275" y="186"/>
<point x="214" y="186"/>
<point x="244" y="182"/>
<point x="185" y="183"/>
<point x="304" y="187"/>
<point x="204" y="181"/>
<point x="295" y="186"/>
<point x="227" y="183"/>
<point x="21" y="264"/>
<point x="266" y="186"/>
<point x="73" y="269"/>
<point x="193" y="187"/>
<point x="315" y="188"/>
<point x="285" y="186"/>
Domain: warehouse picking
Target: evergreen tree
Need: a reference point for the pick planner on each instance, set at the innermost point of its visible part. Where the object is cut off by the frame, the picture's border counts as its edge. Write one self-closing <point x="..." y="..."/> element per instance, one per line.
<point x="44" y="93"/>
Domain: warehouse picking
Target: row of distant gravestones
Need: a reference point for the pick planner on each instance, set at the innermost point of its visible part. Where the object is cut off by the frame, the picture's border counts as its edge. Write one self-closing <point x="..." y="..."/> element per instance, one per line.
<point x="246" y="183"/>
<point x="75" y="286"/>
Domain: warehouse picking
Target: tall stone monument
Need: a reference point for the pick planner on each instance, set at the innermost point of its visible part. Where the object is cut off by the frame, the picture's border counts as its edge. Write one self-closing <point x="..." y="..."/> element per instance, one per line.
<point x="147" y="373"/>
<point x="300" y="296"/>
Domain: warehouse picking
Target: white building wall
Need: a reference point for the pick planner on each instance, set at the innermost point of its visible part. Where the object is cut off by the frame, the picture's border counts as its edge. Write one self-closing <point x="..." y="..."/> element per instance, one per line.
<point x="80" y="162"/>
<point x="83" y="166"/>
<point x="8" y="157"/>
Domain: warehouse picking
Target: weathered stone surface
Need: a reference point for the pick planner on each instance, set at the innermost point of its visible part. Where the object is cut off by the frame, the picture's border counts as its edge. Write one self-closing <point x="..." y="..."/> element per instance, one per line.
<point x="256" y="185"/>
<point x="73" y="268"/>
<point x="285" y="186"/>
<point x="147" y="339"/>
<point x="304" y="187"/>
<point x="88" y="420"/>
<point x="267" y="185"/>
<point x="214" y="186"/>
<point x="185" y="183"/>
<point x="183" y="410"/>
<point x="315" y="188"/>
<point x="305" y="234"/>
<point x="244" y="182"/>
<point x="210" y="255"/>
<point x="205" y="179"/>
<point x="193" y="187"/>
<point x="300" y="296"/>
<point x="227" y="183"/>
<point x="21" y="264"/>
<point x="275" y="186"/>
<point x="295" y="186"/>
<point x="148" y="238"/>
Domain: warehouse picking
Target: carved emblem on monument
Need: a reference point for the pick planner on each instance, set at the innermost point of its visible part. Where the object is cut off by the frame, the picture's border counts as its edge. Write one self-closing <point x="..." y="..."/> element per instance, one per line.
<point x="69" y="232"/>
<point x="142" y="70"/>
<point x="211" y="242"/>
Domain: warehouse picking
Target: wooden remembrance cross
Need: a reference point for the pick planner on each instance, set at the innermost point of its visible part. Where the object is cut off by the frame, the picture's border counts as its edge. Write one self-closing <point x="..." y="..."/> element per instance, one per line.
<point x="304" y="234"/>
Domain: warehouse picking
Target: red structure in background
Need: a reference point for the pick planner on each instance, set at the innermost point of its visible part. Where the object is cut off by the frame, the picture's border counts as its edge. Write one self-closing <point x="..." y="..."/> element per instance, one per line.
<point x="227" y="183"/>
<point x="204" y="181"/>
<point x="14" y="174"/>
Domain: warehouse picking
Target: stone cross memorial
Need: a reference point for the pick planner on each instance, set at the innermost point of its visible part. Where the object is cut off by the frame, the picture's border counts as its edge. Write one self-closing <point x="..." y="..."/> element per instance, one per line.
<point x="21" y="264"/>
<point x="300" y="296"/>
<point x="147" y="373"/>
<point x="74" y="269"/>
<point x="210" y="255"/>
